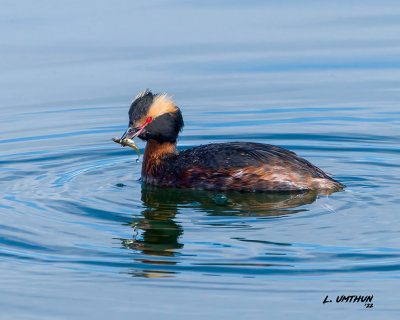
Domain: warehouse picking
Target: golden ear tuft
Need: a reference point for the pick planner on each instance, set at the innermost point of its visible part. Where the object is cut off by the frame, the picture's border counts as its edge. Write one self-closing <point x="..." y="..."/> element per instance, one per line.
<point x="162" y="104"/>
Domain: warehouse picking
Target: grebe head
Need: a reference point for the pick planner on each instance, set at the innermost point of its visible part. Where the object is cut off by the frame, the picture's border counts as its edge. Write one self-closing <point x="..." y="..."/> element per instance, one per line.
<point x="154" y="116"/>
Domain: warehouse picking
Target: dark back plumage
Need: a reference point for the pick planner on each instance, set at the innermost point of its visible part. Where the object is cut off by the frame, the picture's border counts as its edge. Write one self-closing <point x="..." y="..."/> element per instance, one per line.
<point x="243" y="166"/>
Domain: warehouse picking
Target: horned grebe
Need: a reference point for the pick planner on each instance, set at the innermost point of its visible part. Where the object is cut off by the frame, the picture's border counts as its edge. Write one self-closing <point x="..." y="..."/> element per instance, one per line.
<point x="242" y="166"/>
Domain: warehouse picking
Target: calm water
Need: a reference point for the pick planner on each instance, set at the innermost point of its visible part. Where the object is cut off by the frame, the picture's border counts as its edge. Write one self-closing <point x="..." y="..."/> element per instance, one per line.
<point x="81" y="237"/>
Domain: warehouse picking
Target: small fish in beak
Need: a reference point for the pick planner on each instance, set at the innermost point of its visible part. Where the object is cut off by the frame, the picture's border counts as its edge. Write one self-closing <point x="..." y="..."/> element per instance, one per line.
<point x="130" y="134"/>
<point x="128" y="142"/>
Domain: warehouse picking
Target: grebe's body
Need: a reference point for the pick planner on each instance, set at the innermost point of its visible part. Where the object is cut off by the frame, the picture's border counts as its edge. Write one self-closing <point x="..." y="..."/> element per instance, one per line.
<point x="242" y="166"/>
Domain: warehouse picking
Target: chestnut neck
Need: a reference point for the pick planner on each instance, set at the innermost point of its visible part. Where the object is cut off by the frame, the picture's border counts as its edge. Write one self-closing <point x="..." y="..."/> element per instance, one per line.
<point x="154" y="151"/>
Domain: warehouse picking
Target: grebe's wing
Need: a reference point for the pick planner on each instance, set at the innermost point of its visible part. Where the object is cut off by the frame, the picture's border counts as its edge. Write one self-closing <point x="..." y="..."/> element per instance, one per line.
<point x="248" y="167"/>
<point x="225" y="156"/>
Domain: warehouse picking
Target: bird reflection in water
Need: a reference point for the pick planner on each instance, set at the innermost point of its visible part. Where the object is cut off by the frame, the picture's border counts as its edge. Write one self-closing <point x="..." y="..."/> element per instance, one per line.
<point x="157" y="234"/>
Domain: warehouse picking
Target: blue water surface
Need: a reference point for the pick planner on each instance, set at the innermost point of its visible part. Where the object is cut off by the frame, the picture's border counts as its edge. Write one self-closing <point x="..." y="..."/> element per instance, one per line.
<point x="82" y="238"/>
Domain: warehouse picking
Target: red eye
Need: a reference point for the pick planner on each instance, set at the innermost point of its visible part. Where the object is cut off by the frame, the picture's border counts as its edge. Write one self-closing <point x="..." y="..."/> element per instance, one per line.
<point x="149" y="119"/>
